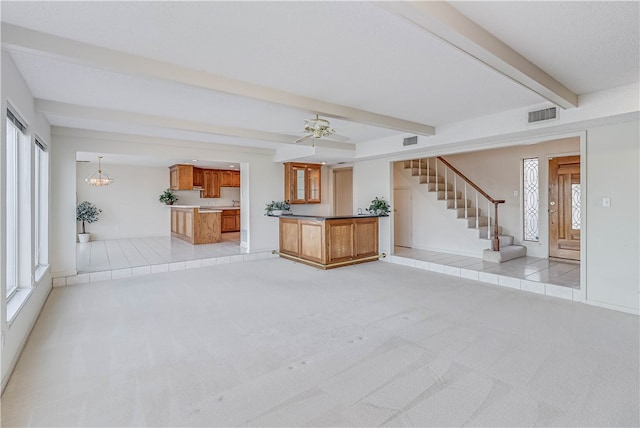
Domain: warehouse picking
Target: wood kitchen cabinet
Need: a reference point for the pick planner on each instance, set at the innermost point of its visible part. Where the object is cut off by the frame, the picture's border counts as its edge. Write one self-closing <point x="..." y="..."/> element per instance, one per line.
<point x="229" y="178"/>
<point x="198" y="177"/>
<point x="302" y="183"/>
<point x="195" y="226"/>
<point x="329" y="242"/>
<point x="211" y="184"/>
<point x="181" y="177"/>
<point x="230" y="220"/>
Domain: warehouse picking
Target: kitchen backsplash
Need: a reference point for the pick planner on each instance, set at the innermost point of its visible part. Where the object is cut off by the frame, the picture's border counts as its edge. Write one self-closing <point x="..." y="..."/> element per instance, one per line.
<point x="192" y="197"/>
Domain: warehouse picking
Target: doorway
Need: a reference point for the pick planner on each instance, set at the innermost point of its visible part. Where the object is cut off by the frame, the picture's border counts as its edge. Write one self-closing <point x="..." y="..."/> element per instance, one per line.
<point x="402" y="218"/>
<point x="343" y="191"/>
<point x="564" y="207"/>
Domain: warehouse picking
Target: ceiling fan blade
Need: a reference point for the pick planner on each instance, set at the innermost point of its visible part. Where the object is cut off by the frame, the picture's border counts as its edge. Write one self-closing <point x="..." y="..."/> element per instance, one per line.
<point x="301" y="139"/>
<point x="338" y="137"/>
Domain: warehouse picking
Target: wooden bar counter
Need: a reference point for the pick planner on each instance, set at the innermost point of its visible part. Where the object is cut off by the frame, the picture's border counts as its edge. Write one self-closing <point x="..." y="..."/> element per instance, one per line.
<point x="196" y="225"/>
<point x="329" y="242"/>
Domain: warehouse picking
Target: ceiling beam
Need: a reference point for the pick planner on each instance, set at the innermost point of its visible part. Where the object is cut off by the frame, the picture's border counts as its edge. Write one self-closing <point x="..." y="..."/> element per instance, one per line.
<point x="118" y="116"/>
<point x="26" y="40"/>
<point x="444" y="21"/>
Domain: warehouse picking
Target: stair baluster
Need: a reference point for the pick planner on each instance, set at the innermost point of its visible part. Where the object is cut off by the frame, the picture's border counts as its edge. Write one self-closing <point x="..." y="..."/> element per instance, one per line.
<point x="446" y="184"/>
<point x="466" y="204"/>
<point x="489" y="220"/>
<point x="477" y="212"/>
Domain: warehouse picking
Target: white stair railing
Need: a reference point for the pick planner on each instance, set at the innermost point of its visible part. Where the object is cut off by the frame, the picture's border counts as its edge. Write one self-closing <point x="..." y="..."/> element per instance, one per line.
<point x="444" y="167"/>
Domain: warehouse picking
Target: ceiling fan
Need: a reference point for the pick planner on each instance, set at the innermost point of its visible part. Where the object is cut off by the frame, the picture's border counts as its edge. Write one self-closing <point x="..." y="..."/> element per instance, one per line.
<point x="318" y="128"/>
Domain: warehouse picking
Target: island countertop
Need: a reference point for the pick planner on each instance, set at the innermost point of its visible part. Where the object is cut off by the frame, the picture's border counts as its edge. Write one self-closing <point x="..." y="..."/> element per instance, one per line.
<point x="205" y="208"/>
<point x="323" y="217"/>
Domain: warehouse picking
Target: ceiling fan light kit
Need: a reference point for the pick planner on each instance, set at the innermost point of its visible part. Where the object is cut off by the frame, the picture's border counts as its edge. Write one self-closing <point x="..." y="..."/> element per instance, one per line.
<point x="316" y="128"/>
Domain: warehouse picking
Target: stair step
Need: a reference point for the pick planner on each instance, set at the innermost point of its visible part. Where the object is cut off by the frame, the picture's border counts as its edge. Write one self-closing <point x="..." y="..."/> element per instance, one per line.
<point x="482" y="231"/>
<point x="452" y="203"/>
<point x="505" y="240"/>
<point x="507" y="253"/>
<point x="440" y="186"/>
<point x="449" y="194"/>
<point x="431" y="178"/>
<point x="470" y="212"/>
<point x="471" y="221"/>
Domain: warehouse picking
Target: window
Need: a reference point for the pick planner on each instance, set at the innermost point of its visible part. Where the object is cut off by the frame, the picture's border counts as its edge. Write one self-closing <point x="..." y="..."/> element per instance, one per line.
<point x="15" y="140"/>
<point x="530" y="199"/>
<point x="41" y="203"/>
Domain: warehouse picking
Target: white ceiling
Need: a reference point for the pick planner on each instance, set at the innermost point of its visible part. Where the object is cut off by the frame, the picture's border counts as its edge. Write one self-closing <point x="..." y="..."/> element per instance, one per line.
<point x="353" y="54"/>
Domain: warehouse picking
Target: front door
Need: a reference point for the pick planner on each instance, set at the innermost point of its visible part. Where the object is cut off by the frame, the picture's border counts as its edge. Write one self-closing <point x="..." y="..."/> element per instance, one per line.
<point x="564" y="207"/>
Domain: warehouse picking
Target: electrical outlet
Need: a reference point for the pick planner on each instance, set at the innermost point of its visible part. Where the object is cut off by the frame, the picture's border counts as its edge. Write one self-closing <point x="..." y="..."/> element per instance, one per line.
<point x="515" y="193"/>
<point x="606" y="202"/>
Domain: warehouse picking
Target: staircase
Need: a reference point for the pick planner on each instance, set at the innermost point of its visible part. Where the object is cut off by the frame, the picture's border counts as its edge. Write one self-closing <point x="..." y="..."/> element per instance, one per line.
<point x="472" y="205"/>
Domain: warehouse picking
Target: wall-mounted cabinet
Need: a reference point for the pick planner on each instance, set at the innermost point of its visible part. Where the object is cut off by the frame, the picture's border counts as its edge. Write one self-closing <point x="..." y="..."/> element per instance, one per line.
<point x="188" y="177"/>
<point x="302" y="183"/>
<point x="211" y="184"/>
<point x="198" y="177"/>
<point x="181" y="177"/>
<point x="230" y="178"/>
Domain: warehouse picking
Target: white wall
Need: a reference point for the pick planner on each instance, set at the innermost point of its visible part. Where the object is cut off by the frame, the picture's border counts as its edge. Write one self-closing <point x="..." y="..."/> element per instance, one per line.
<point x="265" y="182"/>
<point x="612" y="260"/>
<point x="14" y="335"/>
<point x="370" y="179"/>
<point x="130" y="206"/>
<point x="192" y="197"/>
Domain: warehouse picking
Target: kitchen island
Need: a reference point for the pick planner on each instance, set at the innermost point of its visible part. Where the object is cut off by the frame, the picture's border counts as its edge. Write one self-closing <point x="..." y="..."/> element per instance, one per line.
<point x="329" y="242"/>
<point x="196" y="224"/>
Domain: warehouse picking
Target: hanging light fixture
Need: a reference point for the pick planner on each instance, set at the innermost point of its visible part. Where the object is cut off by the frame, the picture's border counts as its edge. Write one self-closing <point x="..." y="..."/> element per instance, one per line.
<point x="98" y="178"/>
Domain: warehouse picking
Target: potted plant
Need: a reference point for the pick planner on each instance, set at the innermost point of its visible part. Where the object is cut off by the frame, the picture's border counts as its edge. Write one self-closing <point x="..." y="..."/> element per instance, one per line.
<point x="379" y="207"/>
<point x="168" y="197"/>
<point x="277" y="207"/>
<point x="86" y="212"/>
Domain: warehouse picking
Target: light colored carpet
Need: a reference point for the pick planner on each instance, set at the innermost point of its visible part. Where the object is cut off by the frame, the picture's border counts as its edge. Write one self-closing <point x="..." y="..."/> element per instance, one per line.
<point x="276" y="343"/>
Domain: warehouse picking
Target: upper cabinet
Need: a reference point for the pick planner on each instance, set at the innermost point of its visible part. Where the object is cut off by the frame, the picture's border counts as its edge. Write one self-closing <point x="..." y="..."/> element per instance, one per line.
<point x="209" y="181"/>
<point x="181" y="177"/>
<point x="211" y="184"/>
<point x="198" y="177"/>
<point x="302" y="183"/>
<point x="230" y="178"/>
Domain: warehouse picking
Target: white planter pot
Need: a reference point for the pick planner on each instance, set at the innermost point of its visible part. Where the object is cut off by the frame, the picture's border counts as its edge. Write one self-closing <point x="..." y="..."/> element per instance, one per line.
<point x="276" y="212"/>
<point x="84" y="237"/>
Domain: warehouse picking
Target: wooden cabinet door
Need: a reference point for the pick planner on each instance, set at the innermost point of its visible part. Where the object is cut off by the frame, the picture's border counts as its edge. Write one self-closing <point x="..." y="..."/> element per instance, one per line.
<point x="366" y="237"/>
<point x="198" y="177"/>
<point x="298" y="190"/>
<point x="174" y="221"/>
<point x="225" y="178"/>
<point x="228" y="222"/>
<point x="173" y="177"/>
<point x="181" y="177"/>
<point x="313" y="184"/>
<point x="302" y="183"/>
<point x="235" y="179"/>
<point x="340" y="239"/>
<point x="211" y="184"/>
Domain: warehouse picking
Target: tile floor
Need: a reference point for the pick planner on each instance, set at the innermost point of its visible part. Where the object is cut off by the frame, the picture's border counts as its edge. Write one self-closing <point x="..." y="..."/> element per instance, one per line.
<point x="531" y="269"/>
<point x="114" y="254"/>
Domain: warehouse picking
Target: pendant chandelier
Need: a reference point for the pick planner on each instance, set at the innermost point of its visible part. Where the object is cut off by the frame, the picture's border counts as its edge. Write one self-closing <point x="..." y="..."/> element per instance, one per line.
<point x="98" y="178"/>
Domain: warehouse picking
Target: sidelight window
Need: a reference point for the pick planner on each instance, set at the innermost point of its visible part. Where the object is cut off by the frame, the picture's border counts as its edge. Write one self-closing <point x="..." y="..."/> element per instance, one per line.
<point x="531" y="199"/>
